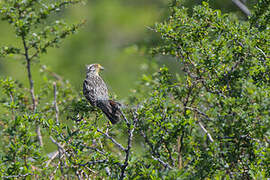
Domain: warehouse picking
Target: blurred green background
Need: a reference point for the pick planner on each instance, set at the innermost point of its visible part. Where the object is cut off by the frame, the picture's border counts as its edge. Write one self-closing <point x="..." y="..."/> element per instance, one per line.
<point x="115" y="35"/>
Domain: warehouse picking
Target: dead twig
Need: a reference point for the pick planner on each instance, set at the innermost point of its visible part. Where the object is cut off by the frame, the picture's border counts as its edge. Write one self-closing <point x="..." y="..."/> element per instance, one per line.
<point x="242" y="7"/>
<point x="112" y="139"/>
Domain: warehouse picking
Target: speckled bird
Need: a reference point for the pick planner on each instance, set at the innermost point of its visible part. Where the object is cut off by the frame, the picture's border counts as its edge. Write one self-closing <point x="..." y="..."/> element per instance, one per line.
<point x="96" y="92"/>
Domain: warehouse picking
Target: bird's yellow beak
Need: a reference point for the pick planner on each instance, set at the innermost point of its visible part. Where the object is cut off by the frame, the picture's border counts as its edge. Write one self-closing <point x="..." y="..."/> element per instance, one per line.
<point x="100" y="67"/>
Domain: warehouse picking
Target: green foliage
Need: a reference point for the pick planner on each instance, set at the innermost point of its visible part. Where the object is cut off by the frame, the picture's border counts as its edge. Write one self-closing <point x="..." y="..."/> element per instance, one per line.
<point x="226" y="64"/>
<point x="22" y="154"/>
<point x="29" y="21"/>
<point x="212" y="123"/>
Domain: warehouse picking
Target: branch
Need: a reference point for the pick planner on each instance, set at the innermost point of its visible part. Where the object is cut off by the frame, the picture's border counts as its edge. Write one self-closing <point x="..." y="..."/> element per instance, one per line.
<point x="242" y="7"/>
<point x="94" y="149"/>
<point x="31" y="83"/>
<point x="130" y="137"/>
<point x="56" y="39"/>
<point x="55" y="103"/>
<point x="200" y="123"/>
<point x="94" y="162"/>
<point x="28" y="66"/>
<point x="261" y="52"/>
<point x="166" y="165"/>
<point x="205" y="130"/>
<point x="127" y="122"/>
<point x="53" y="74"/>
<point x="112" y="139"/>
<point x="61" y="147"/>
<point x="52" y="156"/>
<point x="17" y="176"/>
<point x="199" y="112"/>
<point x="61" y="152"/>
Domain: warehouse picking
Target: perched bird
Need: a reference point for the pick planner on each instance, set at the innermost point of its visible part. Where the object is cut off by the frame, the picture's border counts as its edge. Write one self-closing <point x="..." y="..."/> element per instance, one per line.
<point x="96" y="92"/>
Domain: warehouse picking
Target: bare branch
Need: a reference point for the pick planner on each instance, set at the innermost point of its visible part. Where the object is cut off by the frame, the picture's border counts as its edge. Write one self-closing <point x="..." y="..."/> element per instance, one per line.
<point x="28" y="66"/>
<point x="130" y="137"/>
<point x="31" y="83"/>
<point x="112" y="139"/>
<point x="17" y="176"/>
<point x="57" y="144"/>
<point x="199" y="112"/>
<point x="205" y="130"/>
<point x="55" y="103"/>
<point x="94" y="162"/>
<point x="94" y="149"/>
<point x="166" y="165"/>
<point x="53" y="74"/>
<point x="61" y="152"/>
<point x="261" y="52"/>
<point x="200" y="123"/>
<point x="52" y="156"/>
<point x="127" y="122"/>
<point x="242" y="7"/>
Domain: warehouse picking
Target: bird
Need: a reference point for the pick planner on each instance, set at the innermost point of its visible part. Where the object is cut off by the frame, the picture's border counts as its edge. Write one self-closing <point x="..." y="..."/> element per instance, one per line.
<point x="96" y="92"/>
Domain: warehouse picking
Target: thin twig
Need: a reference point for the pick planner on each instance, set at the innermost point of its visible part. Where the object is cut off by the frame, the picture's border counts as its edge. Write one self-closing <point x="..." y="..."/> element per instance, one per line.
<point x="261" y="52"/>
<point x="52" y="156"/>
<point x="53" y="173"/>
<point x="166" y="165"/>
<point x="94" y="162"/>
<point x="123" y="115"/>
<point x="53" y="74"/>
<point x="112" y="139"/>
<point x="57" y="144"/>
<point x="242" y="6"/>
<point x="55" y="103"/>
<point x="205" y="130"/>
<point x="199" y="112"/>
<point x="17" y="176"/>
<point x="200" y="123"/>
<point x="170" y="154"/>
<point x="94" y="149"/>
<point x="61" y="152"/>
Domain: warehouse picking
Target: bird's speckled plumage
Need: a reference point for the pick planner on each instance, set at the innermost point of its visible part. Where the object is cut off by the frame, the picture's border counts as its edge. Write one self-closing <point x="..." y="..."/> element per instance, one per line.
<point x="96" y="92"/>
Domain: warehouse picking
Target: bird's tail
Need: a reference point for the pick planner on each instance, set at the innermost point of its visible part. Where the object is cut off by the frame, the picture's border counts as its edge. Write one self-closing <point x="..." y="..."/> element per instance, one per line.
<point x="111" y="109"/>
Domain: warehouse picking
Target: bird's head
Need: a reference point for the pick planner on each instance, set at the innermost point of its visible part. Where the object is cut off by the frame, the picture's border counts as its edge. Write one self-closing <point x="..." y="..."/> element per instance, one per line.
<point x="93" y="68"/>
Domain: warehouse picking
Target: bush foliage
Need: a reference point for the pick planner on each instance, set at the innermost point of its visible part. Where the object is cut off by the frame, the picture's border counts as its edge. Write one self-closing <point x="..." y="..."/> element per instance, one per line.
<point x="212" y="122"/>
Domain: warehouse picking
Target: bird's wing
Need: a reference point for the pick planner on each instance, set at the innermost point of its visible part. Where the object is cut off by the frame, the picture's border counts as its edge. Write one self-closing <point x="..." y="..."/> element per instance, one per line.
<point x="95" y="89"/>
